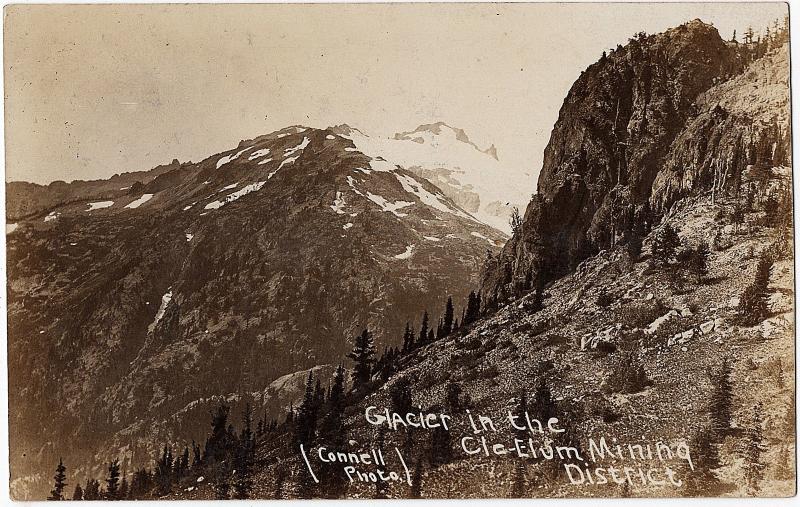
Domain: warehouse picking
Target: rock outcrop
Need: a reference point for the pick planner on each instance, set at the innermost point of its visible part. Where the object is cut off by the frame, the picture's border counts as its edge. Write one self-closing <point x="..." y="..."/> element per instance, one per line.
<point x="651" y="122"/>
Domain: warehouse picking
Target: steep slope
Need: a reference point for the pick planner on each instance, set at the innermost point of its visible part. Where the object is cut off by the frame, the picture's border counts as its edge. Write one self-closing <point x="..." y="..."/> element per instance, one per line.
<point x="662" y="117"/>
<point x="476" y="179"/>
<point x="214" y="279"/>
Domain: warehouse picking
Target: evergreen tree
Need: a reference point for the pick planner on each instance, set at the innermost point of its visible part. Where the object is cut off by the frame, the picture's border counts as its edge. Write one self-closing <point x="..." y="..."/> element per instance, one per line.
<point x="423" y="330"/>
<point x="697" y="261"/>
<point x="124" y="490"/>
<point x="753" y="466"/>
<point x="333" y="482"/>
<point x="78" y="494"/>
<point x="416" y="480"/>
<point x="59" y="482"/>
<point x="702" y="481"/>
<point x="400" y="396"/>
<point x="244" y="457"/>
<point x="306" y="426"/>
<point x="280" y="479"/>
<point x="164" y="472"/>
<point x="408" y="340"/>
<point x="440" y="451"/>
<point x="519" y="485"/>
<point x="721" y="404"/>
<point x="754" y="301"/>
<point x="112" y="481"/>
<point x="92" y="490"/>
<point x="196" y="456"/>
<point x="664" y="245"/>
<point x="449" y="313"/>
<point x="362" y="355"/>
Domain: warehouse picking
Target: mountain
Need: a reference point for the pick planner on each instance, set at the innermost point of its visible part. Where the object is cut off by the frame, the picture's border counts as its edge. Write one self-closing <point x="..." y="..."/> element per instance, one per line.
<point x="474" y="178"/>
<point x="213" y="279"/>
<point x="666" y="116"/>
<point x="688" y="133"/>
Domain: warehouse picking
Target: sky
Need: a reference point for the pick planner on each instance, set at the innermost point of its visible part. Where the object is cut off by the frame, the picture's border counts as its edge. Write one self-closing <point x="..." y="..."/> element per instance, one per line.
<point x="94" y="90"/>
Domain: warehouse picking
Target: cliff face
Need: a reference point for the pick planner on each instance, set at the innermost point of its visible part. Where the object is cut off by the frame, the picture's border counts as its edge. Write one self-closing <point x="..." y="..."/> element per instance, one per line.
<point x="647" y="124"/>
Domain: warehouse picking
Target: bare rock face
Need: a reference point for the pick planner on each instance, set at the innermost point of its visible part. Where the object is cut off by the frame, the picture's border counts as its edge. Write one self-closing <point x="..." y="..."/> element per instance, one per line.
<point x="651" y="122"/>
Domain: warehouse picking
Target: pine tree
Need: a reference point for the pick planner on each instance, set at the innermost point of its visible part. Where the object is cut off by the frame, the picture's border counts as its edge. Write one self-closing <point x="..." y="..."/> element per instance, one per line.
<point x="333" y="482"/>
<point x="164" y="472"/>
<point x="416" y="480"/>
<point x="519" y="486"/>
<point x="400" y="396"/>
<point x="280" y="479"/>
<point x="408" y="339"/>
<point x="362" y="355"/>
<point x="59" y="482"/>
<point x="720" y="406"/>
<point x="423" y="330"/>
<point x="244" y="457"/>
<point x="112" y="481"/>
<point x="754" y="301"/>
<point x="124" y="490"/>
<point x="697" y="261"/>
<point x="92" y="490"/>
<point x="665" y="243"/>
<point x="754" y="467"/>
<point x="449" y="312"/>
<point x="702" y="481"/>
<point x="306" y="426"/>
<point x="440" y="451"/>
<point x="78" y="494"/>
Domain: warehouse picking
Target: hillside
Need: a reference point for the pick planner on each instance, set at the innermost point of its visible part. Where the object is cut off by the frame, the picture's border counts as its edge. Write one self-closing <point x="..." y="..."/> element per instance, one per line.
<point x="213" y="279"/>
<point x="646" y="297"/>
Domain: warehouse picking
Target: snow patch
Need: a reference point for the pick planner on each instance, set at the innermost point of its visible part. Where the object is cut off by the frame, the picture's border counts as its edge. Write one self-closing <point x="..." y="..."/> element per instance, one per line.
<point x="100" y="205"/>
<point x="189" y="237"/>
<point x="286" y="161"/>
<point x="406" y="254"/>
<point x="230" y="158"/>
<point x="51" y="216"/>
<point x="138" y="202"/>
<point x="253" y="187"/>
<point x="291" y="151"/>
<point x="11" y="228"/>
<point x="431" y="238"/>
<point x="435" y="201"/>
<point x="258" y="153"/>
<point x="338" y="204"/>
<point x="266" y="160"/>
<point x="165" y="299"/>
<point x="330" y="137"/>
<point x="479" y="235"/>
<point x="347" y="225"/>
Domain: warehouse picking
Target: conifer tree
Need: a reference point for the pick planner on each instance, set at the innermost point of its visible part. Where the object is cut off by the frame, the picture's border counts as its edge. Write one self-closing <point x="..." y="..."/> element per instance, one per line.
<point x="702" y="481"/>
<point x="59" y="482"/>
<point x="423" y="330"/>
<point x="754" y="301"/>
<point x="78" y="494"/>
<point x="440" y="451"/>
<point x="720" y="407"/>
<point x="362" y="355"/>
<point x="665" y="243"/>
<point x="416" y="480"/>
<point x="92" y="490"/>
<point x="112" y="481"/>
<point x="408" y="339"/>
<point x="306" y="426"/>
<point x="449" y="313"/>
<point x="519" y="486"/>
<point x="753" y="466"/>
<point x="697" y="261"/>
<point x="400" y="396"/>
<point x="244" y="457"/>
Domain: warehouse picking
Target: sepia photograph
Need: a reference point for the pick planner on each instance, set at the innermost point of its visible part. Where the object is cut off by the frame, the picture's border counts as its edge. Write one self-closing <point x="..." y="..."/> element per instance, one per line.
<point x="399" y="251"/>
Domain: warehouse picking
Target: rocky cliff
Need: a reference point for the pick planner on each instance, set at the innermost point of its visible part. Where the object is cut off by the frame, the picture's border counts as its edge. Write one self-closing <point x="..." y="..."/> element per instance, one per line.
<point x="664" y="116"/>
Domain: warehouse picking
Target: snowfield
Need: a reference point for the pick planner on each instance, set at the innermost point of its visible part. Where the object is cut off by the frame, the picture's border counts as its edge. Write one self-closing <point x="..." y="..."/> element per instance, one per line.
<point x="100" y="205"/>
<point x="138" y="202"/>
<point x="253" y="187"/>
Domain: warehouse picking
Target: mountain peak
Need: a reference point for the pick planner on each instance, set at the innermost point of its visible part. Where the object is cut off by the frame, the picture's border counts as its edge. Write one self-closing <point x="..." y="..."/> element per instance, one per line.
<point x="429" y="131"/>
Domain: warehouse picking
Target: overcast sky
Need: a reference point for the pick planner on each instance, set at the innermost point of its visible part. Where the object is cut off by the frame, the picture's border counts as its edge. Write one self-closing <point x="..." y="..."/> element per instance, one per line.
<point x="96" y="90"/>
